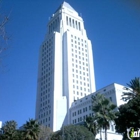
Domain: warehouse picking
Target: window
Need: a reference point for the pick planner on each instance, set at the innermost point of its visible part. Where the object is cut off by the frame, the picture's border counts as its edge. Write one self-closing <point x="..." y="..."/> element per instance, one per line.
<point x="73" y="23"/>
<point x="112" y="127"/>
<point x="89" y="107"/>
<point x="78" y="111"/>
<point x="70" y="21"/>
<point x="67" y="20"/>
<point x="79" y="26"/>
<point x="110" y="98"/>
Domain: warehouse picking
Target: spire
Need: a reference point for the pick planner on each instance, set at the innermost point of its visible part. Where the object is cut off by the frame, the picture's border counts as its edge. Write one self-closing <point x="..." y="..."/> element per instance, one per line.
<point x="65" y="4"/>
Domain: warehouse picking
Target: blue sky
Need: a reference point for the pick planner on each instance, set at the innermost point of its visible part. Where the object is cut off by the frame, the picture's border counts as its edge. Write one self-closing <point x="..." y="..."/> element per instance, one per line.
<point x="112" y="26"/>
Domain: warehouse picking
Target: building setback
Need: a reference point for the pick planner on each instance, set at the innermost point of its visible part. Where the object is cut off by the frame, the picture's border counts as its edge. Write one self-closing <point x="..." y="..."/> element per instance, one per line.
<point x="65" y="71"/>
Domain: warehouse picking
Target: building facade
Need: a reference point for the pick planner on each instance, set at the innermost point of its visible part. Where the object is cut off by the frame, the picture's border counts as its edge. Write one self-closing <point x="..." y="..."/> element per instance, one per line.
<point x="66" y="70"/>
<point x="82" y="108"/>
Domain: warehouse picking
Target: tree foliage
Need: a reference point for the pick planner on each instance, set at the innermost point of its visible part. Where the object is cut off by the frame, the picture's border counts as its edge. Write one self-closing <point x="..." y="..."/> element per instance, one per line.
<point x="133" y="90"/>
<point x="73" y="132"/>
<point x="9" y="131"/>
<point x="104" y="112"/>
<point x="45" y="132"/>
<point x="91" y="125"/>
<point x="31" y="130"/>
<point x="128" y="115"/>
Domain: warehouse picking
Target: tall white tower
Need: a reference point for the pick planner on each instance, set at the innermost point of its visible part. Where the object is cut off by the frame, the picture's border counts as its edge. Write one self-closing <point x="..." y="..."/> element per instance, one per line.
<point x="66" y="71"/>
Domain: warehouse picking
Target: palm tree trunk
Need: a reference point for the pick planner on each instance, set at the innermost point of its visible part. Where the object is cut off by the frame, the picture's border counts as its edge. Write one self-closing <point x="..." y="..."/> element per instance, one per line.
<point x="105" y="134"/>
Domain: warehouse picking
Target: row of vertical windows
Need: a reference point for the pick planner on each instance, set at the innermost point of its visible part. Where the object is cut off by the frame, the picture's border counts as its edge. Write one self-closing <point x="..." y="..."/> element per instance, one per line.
<point x="76" y="76"/>
<point x="80" y="53"/>
<point x="79" y="62"/>
<point x="45" y="114"/>
<point x="53" y="25"/>
<point x="85" y="109"/>
<point x="81" y="88"/>
<point x="45" y="108"/>
<point x="73" y="23"/>
<point x="45" y="103"/>
<point x="47" y="44"/>
<point x="75" y="37"/>
<point x="80" y="67"/>
<point x="81" y="82"/>
<point x="46" y="72"/>
<point x="45" y="97"/>
<point x="80" y="119"/>
<point x="43" y="121"/>
<point x="44" y="87"/>
<point x="76" y="51"/>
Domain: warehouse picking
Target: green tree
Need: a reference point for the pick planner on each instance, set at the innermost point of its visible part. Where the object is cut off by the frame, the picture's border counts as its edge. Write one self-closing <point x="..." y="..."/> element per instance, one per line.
<point x="132" y="90"/>
<point x="9" y="131"/>
<point x="91" y="125"/>
<point x="104" y="112"/>
<point x="31" y="130"/>
<point x="128" y="115"/>
<point x="45" y="132"/>
<point x="73" y="132"/>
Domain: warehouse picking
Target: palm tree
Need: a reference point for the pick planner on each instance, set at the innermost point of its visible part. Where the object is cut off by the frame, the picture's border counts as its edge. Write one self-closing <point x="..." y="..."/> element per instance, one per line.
<point x="9" y="126"/>
<point x="91" y="125"/>
<point x="132" y="90"/>
<point x="104" y="111"/>
<point x="31" y="130"/>
<point x="9" y="131"/>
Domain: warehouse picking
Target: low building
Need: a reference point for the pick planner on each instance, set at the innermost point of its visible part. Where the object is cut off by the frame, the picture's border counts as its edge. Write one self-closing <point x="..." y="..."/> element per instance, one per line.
<point x="82" y="108"/>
